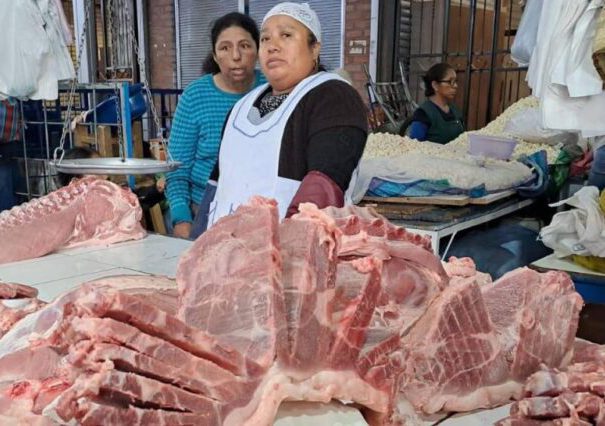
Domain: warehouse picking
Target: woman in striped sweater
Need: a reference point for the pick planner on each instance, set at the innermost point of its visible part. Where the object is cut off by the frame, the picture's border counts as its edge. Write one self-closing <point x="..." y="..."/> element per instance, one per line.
<point x="196" y="130"/>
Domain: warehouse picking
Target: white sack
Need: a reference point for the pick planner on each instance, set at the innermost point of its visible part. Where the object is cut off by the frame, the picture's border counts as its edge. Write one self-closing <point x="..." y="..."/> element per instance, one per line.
<point x="578" y="231"/>
<point x="465" y="172"/>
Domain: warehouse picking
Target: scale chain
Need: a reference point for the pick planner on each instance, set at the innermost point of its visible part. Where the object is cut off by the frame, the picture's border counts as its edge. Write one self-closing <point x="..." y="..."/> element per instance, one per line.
<point x="143" y="74"/>
<point x="72" y="91"/>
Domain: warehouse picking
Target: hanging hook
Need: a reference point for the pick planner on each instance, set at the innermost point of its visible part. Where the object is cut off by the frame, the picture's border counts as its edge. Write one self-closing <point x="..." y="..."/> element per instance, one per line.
<point x="55" y="154"/>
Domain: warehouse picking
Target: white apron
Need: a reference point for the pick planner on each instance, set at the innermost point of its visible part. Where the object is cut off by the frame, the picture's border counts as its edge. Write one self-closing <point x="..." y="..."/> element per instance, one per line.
<point x="249" y="153"/>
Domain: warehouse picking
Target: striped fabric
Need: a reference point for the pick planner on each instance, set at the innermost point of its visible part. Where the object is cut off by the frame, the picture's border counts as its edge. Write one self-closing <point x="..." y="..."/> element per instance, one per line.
<point x="9" y="120"/>
<point x="194" y="141"/>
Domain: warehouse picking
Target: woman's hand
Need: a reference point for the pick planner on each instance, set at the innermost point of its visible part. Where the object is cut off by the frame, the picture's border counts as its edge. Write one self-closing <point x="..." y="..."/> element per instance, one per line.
<point x="161" y="184"/>
<point x="182" y="230"/>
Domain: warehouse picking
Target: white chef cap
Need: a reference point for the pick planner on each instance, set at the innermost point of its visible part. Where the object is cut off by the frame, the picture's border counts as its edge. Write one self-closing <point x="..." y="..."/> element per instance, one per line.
<point x="302" y="12"/>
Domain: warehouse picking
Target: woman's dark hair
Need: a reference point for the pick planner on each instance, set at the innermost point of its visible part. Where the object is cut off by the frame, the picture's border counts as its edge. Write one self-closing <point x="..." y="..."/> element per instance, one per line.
<point x="75" y="153"/>
<point x="233" y="19"/>
<point x="435" y="73"/>
<point x="312" y="40"/>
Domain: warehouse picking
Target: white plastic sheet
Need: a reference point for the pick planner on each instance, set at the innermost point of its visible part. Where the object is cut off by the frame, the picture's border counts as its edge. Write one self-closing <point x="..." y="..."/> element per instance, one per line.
<point x="585" y="114"/>
<point x="527" y="33"/>
<point x="561" y="72"/>
<point x="581" y="76"/>
<point x="34" y="50"/>
<point x="526" y="124"/>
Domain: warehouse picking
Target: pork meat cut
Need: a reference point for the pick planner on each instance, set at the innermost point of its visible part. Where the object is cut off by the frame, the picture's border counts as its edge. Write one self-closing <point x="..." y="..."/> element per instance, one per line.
<point x="105" y="350"/>
<point x="16" y="302"/>
<point x="272" y="292"/>
<point x="329" y="304"/>
<point x="574" y="395"/>
<point x="88" y="211"/>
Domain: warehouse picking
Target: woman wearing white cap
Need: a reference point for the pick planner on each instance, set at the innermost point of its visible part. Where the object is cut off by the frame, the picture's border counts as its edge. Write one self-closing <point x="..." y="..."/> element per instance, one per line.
<point x="297" y="138"/>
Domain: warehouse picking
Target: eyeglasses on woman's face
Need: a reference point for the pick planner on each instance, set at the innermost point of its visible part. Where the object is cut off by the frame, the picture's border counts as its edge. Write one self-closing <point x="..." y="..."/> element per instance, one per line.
<point x="453" y="82"/>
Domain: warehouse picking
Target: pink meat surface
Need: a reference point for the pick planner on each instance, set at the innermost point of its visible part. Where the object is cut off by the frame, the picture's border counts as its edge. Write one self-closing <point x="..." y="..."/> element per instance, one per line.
<point x="230" y="283"/>
<point x="105" y="347"/>
<point x="453" y="356"/>
<point x="574" y="396"/>
<point x="12" y="310"/>
<point x="536" y="316"/>
<point x="329" y="304"/>
<point x="16" y="302"/>
<point x="16" y="291"/>
<point x="88" y="211"/>
<point x="308" y="324"/>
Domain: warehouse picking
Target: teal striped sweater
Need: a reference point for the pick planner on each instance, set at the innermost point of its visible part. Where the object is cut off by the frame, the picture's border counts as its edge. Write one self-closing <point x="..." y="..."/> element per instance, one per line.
<point x="194" y="141"/>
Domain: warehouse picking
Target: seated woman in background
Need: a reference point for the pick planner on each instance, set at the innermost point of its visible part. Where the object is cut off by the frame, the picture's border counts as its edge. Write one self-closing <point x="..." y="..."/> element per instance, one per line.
<point x="437" y="119"/>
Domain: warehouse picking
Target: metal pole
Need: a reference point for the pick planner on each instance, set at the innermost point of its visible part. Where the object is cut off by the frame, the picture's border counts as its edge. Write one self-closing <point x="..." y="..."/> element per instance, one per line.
<point x="494" y="53"/>
<point x="177" y="37"/>
<point x="23" y="127"/>
<point x="46" y="166"/>
<point x="469" y="57"/>
<point x="93" y="105"/>
<point x="126" y="127"/>
<point x="446" y="30"/>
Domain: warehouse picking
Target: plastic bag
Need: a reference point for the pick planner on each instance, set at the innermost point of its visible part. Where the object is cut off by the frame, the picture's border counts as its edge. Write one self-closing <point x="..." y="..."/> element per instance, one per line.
<point x="417" y="173"/>
<point x="527" y="33"/>
<point x="526" y="124"/>
<point x="34" y="54"/>
<point x="22" y="50"/>
<point x="579" y="231"/>
<point x="558" y="173"/>
<point x="540" y="182"/>
<point x="9" y="120"/>
<point x="593" y="263"/>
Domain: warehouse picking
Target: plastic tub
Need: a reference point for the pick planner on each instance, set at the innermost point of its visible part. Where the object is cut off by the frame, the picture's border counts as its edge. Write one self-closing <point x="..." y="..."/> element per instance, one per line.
<point x="491" y="146"/>
<point x="107" y="110"/>
<point x="591" y="290"/>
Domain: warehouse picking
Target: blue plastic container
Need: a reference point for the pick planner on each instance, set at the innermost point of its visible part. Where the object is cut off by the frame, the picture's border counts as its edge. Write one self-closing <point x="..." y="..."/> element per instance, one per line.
<point x="107" y="110"/>
<point x="592" y="290"/>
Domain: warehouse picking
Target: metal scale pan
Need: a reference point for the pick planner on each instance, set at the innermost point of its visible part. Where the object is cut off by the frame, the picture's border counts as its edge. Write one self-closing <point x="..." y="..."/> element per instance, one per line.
<point x="114" y="166"/>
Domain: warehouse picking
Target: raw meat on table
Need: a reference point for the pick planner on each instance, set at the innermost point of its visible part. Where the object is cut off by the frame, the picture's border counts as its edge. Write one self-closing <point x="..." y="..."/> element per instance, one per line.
<point x="89" y="211"/>
<point x="574" y="395"/>
<point x="329" y="304"/>
<point x="16" y="291"/>
<point x="16" y="302"/>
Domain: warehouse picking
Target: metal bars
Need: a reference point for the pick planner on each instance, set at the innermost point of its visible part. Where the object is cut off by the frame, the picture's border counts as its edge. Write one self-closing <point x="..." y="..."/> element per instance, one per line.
<point x="475" y="37"/>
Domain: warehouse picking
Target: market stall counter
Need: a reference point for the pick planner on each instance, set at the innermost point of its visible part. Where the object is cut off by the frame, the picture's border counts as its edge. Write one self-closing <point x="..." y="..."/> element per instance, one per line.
<point x="59" y="272"/>
<point x="438" y="221"/>
<point x="590" y="284"/>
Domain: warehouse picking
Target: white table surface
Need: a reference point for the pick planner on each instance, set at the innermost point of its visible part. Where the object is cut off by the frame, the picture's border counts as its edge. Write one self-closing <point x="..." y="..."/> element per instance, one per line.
<point x="58" y="272"/>
<point x="156" y="254"/>
<point x="564" y="264"/>
<point x="333" y="414"/>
